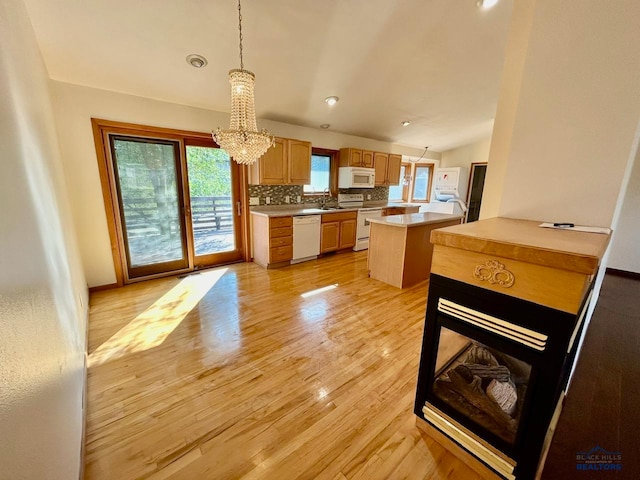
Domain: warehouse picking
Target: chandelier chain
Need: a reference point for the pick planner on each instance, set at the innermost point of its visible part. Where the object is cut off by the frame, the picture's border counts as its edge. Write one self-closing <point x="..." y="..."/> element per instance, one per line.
<point x="240" y="30"/>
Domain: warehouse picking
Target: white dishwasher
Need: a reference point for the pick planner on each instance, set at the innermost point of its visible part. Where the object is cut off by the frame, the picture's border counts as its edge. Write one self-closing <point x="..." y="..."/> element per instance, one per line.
<point x="306" y="238"/>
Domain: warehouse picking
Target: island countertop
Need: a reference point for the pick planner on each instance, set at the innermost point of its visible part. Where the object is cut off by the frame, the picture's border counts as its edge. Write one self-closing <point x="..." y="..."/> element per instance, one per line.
<point x="415" y="219"/>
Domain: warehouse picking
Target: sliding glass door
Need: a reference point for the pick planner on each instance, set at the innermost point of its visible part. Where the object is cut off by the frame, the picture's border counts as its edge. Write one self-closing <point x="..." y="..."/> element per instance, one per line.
<point x="149" y="186"/>
<point x="215" y="204"/>
<point x="172" y="198"/>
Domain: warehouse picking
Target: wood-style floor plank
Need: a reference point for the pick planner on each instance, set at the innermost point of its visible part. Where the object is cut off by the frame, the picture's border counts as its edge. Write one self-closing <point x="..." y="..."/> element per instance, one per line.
<point x="232" y="373"/>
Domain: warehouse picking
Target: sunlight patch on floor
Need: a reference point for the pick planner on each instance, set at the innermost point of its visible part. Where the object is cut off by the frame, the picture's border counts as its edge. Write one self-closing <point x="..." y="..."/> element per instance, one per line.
<point x="317" y="291"/>
<point x="155" y="324"/>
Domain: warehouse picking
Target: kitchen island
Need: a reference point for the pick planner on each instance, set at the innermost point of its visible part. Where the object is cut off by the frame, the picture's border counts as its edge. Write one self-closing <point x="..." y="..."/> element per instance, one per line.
<point x="399" y="246"/>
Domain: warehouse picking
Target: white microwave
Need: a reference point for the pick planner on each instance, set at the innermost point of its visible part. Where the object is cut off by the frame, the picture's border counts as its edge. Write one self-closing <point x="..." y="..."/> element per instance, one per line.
<point x="356" y="177"/>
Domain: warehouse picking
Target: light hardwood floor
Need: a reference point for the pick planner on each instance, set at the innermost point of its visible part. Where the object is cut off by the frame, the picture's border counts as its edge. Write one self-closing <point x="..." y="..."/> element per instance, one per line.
<point x="233" y="373"/>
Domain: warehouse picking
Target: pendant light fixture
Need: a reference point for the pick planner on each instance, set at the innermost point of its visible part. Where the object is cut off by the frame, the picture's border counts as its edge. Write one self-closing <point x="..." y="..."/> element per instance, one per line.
<point x="414" y="160"/>
<point x="243" y="142"/>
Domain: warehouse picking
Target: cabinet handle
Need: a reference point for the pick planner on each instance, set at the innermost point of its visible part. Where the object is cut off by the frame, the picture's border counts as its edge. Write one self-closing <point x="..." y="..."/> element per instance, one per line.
<point x="239" y="208"/>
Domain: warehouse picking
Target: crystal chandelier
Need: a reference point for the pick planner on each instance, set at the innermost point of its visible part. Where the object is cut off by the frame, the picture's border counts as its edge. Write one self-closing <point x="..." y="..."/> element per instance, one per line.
<point x="243" y="141"/>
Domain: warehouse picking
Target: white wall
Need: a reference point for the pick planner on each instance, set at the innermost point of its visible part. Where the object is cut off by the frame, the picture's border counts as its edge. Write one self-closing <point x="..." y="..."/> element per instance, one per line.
<point x="563" y="138"/>
<point x="625" y="247"/>
<point x="75" y="106"/>
<point x="465" y="155"/>
<point x="43" y="295"/>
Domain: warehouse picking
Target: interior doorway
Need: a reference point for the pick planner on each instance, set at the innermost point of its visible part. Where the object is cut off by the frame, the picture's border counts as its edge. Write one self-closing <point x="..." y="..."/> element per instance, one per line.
<point x="476" y="186"/>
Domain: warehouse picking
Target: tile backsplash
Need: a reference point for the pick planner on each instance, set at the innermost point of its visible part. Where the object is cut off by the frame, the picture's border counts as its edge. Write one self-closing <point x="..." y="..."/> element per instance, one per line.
<point x="277" y="193"/>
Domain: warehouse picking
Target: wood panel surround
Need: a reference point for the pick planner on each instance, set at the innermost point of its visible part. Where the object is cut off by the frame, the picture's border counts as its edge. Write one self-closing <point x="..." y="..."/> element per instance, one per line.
<point x="550" y="267"/>
<point x="254" y="381"/>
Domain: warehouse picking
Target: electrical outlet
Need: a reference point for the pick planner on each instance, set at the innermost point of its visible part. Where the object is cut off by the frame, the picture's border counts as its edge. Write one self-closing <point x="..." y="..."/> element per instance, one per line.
<point x="299" y="199"/>
<point x="368" y="196"/>
<point x="267" y="200"/>
<point x="254" y="200"/>
<point x="287" y="199"/>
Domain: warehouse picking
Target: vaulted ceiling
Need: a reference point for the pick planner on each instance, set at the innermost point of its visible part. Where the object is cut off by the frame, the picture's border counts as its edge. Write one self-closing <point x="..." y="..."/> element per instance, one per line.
<point x="436" y="63"/>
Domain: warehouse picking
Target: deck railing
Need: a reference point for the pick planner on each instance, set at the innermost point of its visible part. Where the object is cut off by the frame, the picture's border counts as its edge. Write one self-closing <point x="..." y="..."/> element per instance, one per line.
<point x="142" y="215"/>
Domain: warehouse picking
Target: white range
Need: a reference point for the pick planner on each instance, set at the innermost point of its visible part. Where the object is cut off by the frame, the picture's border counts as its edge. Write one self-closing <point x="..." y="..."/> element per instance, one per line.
<point x="356" y="200"/>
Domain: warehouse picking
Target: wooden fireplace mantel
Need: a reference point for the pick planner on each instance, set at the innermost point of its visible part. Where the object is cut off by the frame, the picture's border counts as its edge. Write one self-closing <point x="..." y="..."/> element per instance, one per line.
<point x="551" y="267"/>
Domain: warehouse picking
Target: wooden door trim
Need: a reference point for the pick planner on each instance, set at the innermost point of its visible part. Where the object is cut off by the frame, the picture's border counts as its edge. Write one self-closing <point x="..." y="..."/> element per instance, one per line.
<point x="101" y="129"/>
<point x="471" y="178"/>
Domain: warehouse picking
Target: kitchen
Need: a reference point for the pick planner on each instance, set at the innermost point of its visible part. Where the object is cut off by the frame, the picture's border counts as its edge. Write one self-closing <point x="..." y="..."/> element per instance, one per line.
<point x="288" y="233"/>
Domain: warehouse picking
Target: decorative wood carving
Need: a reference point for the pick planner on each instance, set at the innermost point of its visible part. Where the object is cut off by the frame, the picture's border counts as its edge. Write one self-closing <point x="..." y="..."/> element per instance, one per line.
<point x="494" y="273"/>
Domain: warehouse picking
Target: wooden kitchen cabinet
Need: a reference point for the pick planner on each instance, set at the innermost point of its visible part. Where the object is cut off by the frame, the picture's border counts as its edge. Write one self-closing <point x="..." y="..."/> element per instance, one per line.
<point x="367" y="158"/>
<point x="299" y="162"/>
<point x="380" y="161"/>
<point x="400" y="210"/>
<point x="337" y="231"/>
<point x="393" y="169"/>
<point x="272" y="239"/>
<point x="350" y="157"/>
<point x="287" y="163"/>
<point x="329" y="237"/>
<point x="347" y="233"/>
<point x="387" y="167"/>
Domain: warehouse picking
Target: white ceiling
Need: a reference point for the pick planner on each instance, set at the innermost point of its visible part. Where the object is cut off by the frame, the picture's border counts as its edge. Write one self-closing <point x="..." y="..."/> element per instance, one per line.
<point x="436" y="63"/>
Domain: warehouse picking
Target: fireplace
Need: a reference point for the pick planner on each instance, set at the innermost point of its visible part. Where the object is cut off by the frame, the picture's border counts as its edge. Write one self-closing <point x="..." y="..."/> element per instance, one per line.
<point x="501" y="335"/>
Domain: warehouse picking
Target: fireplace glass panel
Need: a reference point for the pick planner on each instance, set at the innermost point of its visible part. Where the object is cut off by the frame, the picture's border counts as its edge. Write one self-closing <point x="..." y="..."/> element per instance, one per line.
<point x="481" y="383"/>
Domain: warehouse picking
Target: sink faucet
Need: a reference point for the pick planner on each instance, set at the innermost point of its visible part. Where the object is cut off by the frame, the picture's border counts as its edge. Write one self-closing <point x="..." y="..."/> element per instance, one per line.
<point x="326" y="195"/>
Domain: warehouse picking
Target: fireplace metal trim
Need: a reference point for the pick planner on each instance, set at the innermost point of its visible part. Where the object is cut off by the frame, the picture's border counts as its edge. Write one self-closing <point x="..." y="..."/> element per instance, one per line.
<point x="522" y="335"/>
<point x="579" y="322"/>
<point x="499" y="464"/>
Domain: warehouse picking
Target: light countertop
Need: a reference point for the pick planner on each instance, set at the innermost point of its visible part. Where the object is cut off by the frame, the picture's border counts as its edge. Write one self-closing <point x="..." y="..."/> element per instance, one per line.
<point x="415" y="219"/>
<point x="525" y="241"/>
<point x="293" y="210"/>
<point x="311" y="209"/>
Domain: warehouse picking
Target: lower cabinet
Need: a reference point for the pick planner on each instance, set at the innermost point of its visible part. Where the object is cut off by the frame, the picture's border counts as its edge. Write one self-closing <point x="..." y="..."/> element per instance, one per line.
<point x="399" y="210"/>
<point x="272" y="240"/>
<point x="338" y="231"/>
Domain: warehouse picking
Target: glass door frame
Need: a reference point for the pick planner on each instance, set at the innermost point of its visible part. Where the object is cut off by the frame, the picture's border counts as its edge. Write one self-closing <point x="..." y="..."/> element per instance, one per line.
<point x="132" y="273"/>
<point x="102" y="129"/>
<point x="202" y="261"/>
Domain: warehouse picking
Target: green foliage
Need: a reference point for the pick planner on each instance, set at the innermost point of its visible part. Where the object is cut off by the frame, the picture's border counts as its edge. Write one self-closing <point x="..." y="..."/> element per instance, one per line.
<point x="209" y="172"/>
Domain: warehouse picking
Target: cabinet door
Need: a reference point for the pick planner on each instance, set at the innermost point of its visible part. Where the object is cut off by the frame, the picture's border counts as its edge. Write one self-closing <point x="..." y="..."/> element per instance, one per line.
<point x="299" y="162"/>
<point x="350" y="157"/>
<point x="393" y="169"/>
<point x="367" y="159"/>
<point x="272" y="166"/>
<point x="347" y="233"/>
<point x="329" y="237"/>
<point x="380" y="161"/>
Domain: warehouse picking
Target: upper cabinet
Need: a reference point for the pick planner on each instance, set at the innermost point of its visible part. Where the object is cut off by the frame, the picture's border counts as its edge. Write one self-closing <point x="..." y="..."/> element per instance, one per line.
<point x="367" y="158"/>
<point x="387" y="167"/>
<point x="354" y="157"/>
<point x="393" y="169"/>
<point x="350" y="157"/>
<point x="287" y="163"/>
<point x="380" y="163"/>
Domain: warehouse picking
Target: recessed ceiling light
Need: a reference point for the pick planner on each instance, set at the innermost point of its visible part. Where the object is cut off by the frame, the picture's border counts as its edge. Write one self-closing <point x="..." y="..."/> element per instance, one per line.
<point x="197" y="61"/>
<point x="325" y="126"/>
<point x="486" y="4"/>
<point x="331" y="101"/>
<point x="406" y="123"/>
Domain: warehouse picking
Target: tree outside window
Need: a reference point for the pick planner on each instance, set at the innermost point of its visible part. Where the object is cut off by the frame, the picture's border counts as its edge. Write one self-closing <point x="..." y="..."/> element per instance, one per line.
<point x="323" y="172"/>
